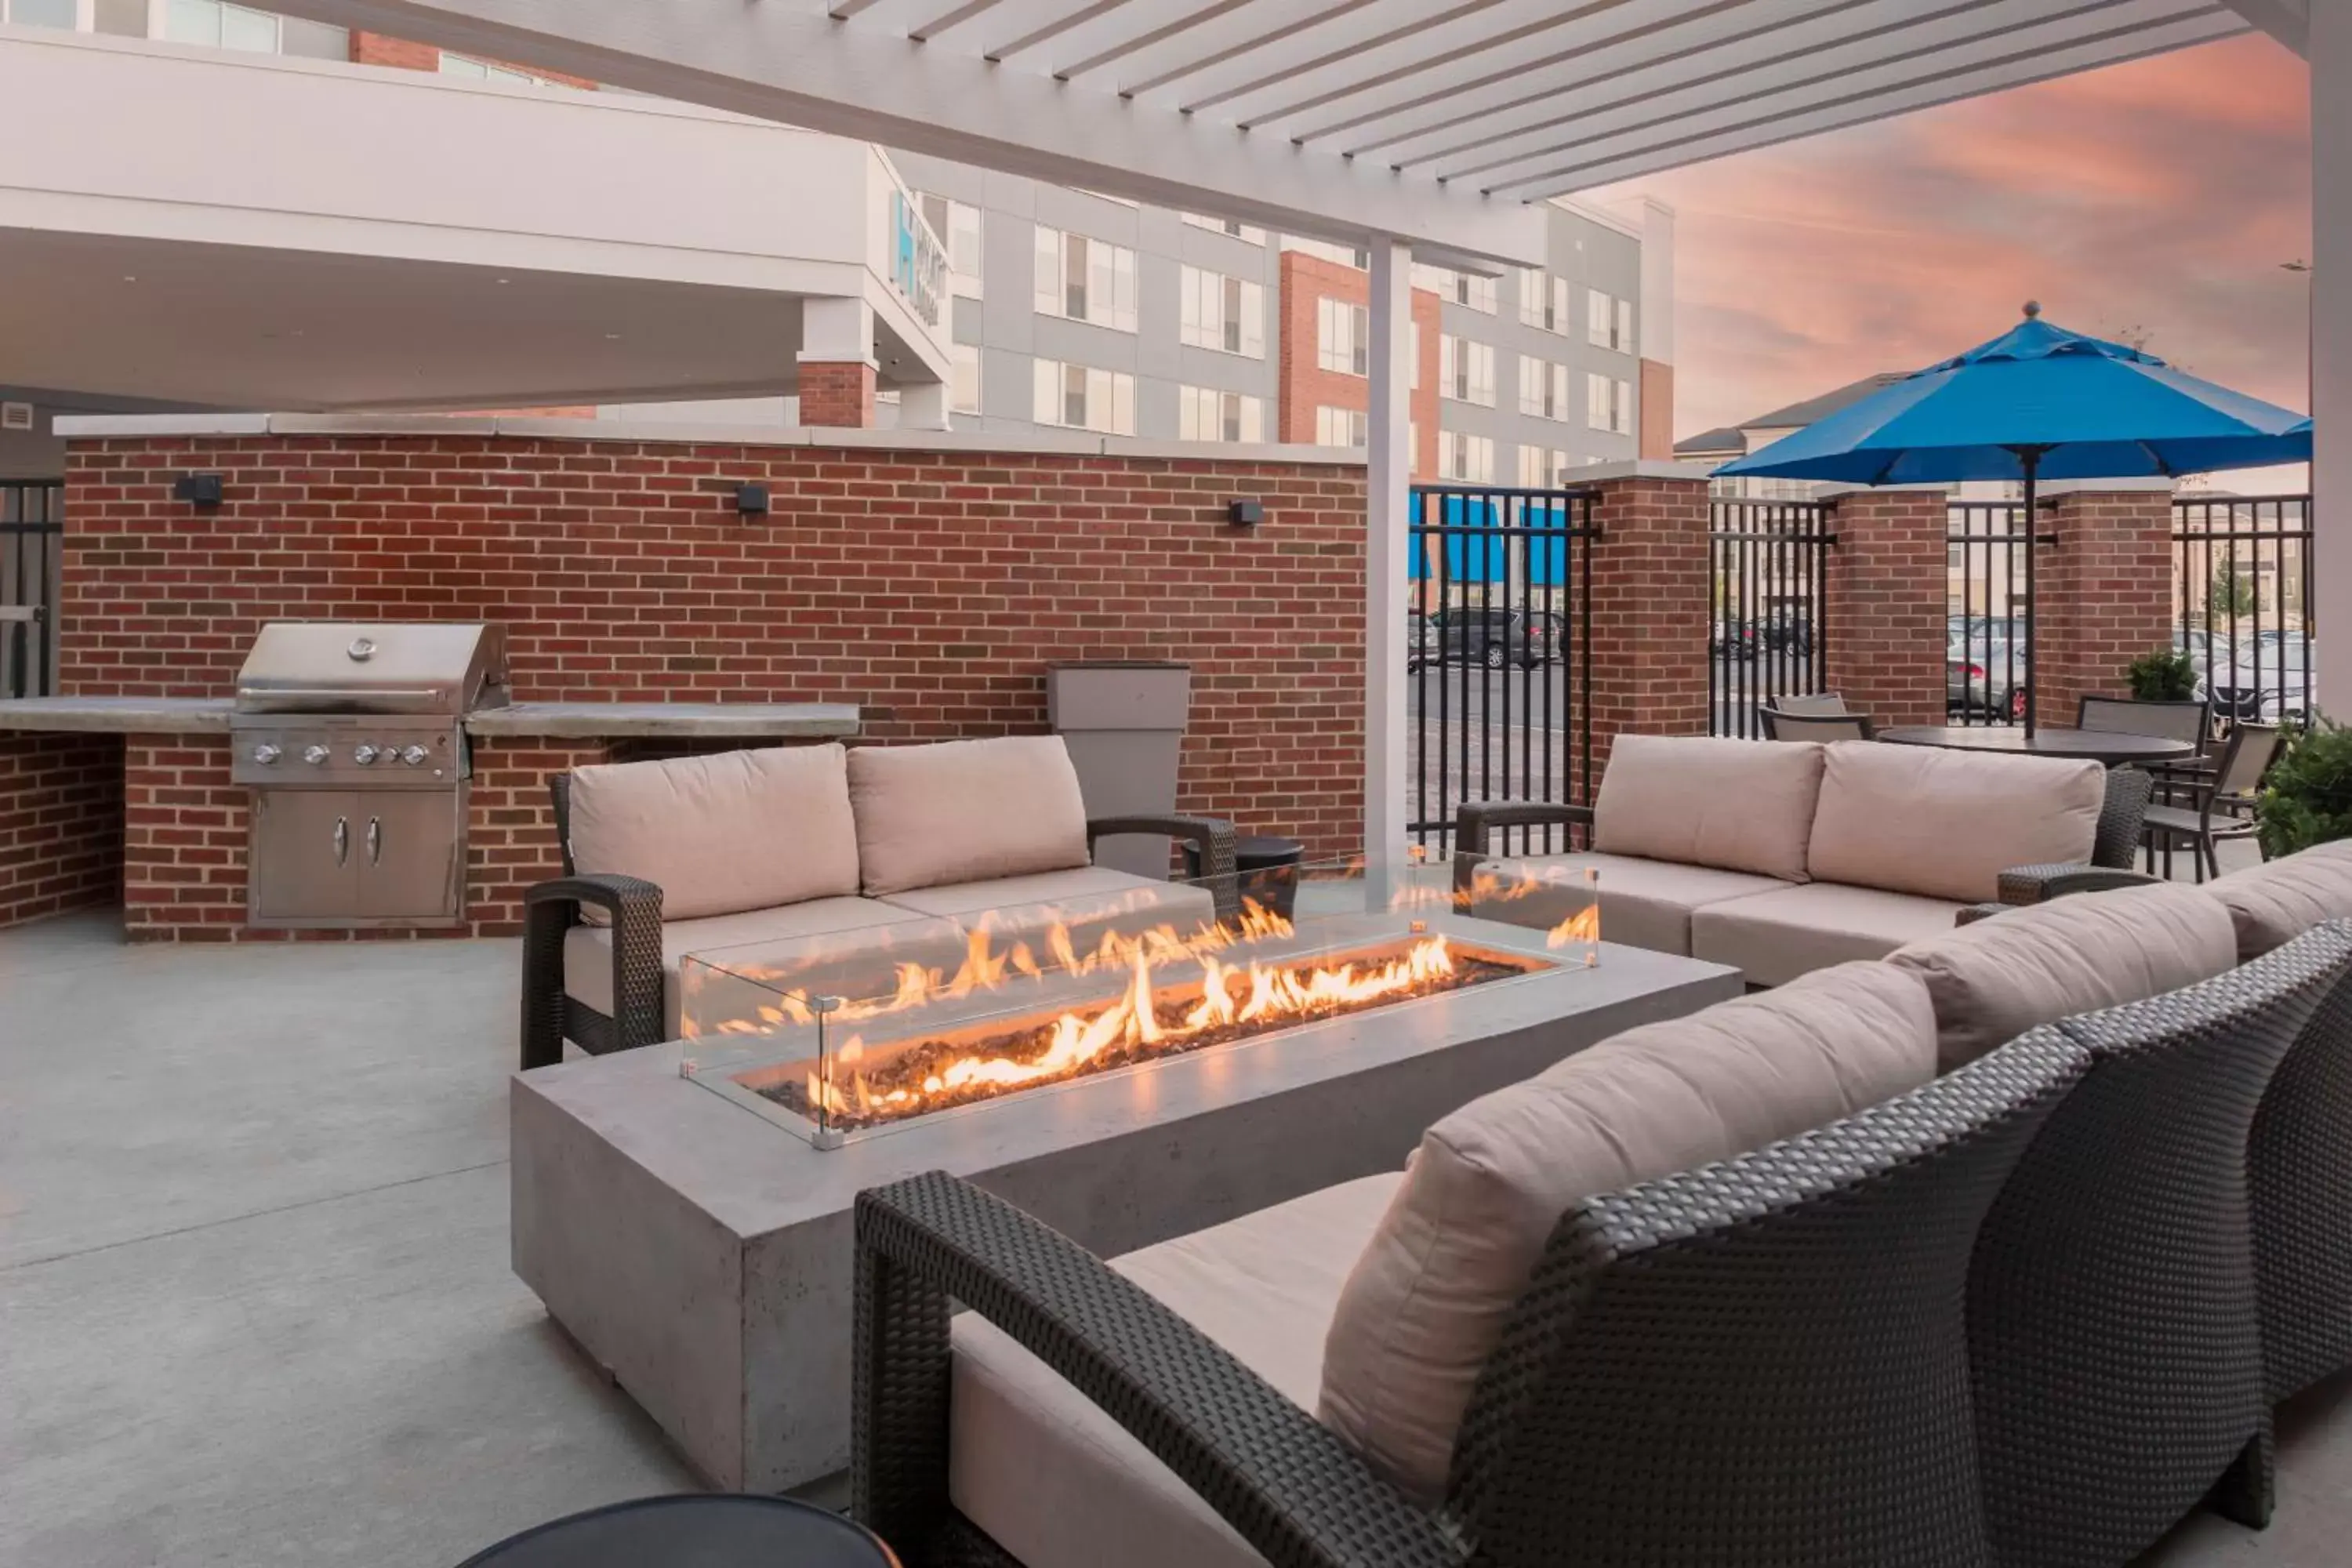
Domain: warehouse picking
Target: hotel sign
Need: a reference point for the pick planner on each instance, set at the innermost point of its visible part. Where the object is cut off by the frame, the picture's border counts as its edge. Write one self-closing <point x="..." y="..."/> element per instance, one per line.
<point x="918" y="265"/>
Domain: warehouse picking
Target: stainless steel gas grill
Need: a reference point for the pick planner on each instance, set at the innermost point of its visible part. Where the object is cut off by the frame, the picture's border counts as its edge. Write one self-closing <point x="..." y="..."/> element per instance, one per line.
<point x="352" y="736"/>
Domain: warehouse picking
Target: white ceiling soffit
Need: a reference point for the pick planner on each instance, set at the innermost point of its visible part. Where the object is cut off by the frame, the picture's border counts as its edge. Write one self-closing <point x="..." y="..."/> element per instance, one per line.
<point x="1433" y="120"/>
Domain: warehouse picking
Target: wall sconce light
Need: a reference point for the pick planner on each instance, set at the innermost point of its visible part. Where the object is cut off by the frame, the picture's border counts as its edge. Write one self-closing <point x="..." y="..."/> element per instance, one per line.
<point x="751" y="501"/>
<point x="198" y="489"/>
<point x="1245" y="513"/>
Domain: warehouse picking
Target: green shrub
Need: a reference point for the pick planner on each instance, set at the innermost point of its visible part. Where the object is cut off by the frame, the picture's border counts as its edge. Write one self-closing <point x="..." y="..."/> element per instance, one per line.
<point x="2308" y="798"/>
<point x="2163" y="675"/>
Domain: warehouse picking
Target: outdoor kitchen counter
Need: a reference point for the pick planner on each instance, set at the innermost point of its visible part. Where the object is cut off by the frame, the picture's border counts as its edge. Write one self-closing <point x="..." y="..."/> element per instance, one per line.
<point x="667" y="720"/>
<point x="116" y="715"/>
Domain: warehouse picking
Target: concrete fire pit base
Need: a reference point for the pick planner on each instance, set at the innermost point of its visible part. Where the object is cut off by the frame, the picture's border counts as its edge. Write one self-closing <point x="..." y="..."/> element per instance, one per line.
<point x="703" y="1255"/>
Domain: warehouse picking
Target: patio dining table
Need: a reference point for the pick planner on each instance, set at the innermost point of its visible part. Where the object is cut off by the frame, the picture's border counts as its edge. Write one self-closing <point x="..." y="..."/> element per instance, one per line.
<point x="2113" y="748"/>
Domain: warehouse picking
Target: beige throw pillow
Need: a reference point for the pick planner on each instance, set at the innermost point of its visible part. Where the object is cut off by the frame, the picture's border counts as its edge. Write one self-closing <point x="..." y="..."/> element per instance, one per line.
<point x="1736" y="806"/>
<point x="1947" y="824"/>
<point x="1429" y="1300"/>
<point x="2274" y="903"/>
<point x="965" y="811"/>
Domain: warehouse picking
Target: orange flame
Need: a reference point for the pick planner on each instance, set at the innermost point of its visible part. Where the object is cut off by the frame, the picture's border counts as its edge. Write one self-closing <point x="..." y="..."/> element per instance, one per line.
<point x="1580" y="927"/>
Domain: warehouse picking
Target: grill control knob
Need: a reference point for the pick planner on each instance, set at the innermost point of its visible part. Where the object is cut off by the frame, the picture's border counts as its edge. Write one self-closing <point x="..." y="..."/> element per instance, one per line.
<point x="266" y="754"/>
<point x="314" y="755"/>
<point x="413" y="755"/>
<point x="364" y="754"/>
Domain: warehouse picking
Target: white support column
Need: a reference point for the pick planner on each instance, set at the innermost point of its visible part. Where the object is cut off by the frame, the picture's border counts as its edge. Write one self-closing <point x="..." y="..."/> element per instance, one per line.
<point x="2330" y="53"/>
<point x="1388" y="480"/>
<point x="924" y="407"/>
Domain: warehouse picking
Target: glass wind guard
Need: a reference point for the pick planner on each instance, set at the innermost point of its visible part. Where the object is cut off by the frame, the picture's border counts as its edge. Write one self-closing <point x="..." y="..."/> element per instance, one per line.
<point x="845" y="1033"/>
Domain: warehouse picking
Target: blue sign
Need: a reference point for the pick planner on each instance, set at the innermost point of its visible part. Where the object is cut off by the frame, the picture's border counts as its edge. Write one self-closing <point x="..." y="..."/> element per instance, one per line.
<point x="919" y="265"/>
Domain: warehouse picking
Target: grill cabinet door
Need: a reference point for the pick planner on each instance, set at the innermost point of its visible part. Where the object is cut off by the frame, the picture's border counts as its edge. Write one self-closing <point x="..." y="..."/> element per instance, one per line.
<point x="305" y="862"/>
<point x="407" y="848"/>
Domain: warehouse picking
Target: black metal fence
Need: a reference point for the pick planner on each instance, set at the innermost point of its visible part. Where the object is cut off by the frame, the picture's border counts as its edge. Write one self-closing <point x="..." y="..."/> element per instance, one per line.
<point x="1498" y="654"/>
<point x="1768" y="635"/>
<point x="1989" y="631"/>
<point x="2242" y="591"/>
<point x="32" y="540"/>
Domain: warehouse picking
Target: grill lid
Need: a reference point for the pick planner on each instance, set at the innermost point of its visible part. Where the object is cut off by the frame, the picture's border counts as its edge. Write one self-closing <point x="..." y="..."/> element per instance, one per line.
<point x="369" y="667"/>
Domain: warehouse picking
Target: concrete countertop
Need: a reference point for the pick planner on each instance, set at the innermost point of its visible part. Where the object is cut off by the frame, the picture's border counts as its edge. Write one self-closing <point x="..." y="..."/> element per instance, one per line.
<point x="670" y="720"/>
<point x="116" y="715"/>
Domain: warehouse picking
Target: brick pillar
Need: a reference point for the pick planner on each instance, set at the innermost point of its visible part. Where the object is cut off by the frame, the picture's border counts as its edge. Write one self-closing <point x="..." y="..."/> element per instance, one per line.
<point x="183" y="840"/>
<point x="838" y="394"/>
<point x="2106" y="594"/>
<point x="1889" y="595"/>
<point x="1650" y="604"/>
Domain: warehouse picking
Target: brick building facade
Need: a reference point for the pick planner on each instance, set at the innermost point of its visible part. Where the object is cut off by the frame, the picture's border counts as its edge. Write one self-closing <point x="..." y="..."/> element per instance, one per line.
<point x="1306" y="388"/>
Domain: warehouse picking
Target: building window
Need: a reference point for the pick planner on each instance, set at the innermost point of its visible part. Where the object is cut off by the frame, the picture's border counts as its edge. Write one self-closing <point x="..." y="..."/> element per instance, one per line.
<point x="1608" y="323"/>
<point x="44" y="13"/>
<point x="1343" y="336"/>
<point x="1543" y="301"/>
<point x="957" y="226"/>
<point x="1226" y="226"/>
<point x="1462" y="288"/>
<point x="1543" y="388"/>
<point x="1086" y="280"/>
<point x="217" y="25"/>
<point x="1360" y="259"/>
<point x="1223" y="313"/>
<point x="1542" y="470"/>
<point x="1625" y="326"/>
<point x="1084" y="398"/>
<point x="1609" y="405"/>
<point x="483" y="70"/>
<point x="1209" y="415"/>
<point x="1340" y="427"/>
<point x="1469" y="459"/>
<point x="1465" y="370"/>
<point x="963" y="392"/>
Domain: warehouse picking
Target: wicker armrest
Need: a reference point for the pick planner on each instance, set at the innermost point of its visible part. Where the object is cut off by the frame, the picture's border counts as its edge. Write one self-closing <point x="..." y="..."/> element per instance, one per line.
<point x="1270" y="1470"/>
<point x="551" y="908"/>
<point x="1474" y="817"/>
<point x="2121" y="815"/>
<point x="1212" y="835"/>
<point x="2038" y="884"/>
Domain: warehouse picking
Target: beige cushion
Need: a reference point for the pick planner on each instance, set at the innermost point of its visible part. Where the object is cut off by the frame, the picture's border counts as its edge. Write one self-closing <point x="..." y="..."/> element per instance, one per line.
<point x="1090" y="901"/>
<point x="777" y="937"/>
<point x="2274" y="903"/>
<point x="1945" y="823"/>
<point x="965" y="811"/>
<point x="1775" y="937"/>
<point x="1739" y="805"/>
<point x="717" y="834"/>
<point x="1430" y="1298"/>
<point x="1059" y="1484"/>
<point x="1996" y="978"/>
<point x="1643" y="903"/>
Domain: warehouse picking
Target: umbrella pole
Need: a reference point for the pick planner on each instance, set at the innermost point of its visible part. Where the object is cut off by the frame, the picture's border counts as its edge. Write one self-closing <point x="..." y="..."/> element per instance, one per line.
<point x="2031" y="458"/>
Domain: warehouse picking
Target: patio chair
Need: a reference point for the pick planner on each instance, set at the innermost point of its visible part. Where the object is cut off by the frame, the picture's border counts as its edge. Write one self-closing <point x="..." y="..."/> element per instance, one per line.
<point x="2114" y="1319"/>
<point x="1690" y="1377"/>
<point x="1780" y="724"/>
<point x="1810" y="704"/>
<point x="2221" y="804"/>
<point x="2173" y="721"/>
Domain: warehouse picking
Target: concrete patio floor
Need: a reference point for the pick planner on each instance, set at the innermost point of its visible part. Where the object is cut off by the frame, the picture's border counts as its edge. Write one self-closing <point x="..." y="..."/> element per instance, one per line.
<point x="254" y="1305"/>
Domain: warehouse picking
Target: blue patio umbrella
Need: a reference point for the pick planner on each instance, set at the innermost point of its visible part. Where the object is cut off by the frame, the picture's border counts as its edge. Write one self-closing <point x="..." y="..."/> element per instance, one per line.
<point x="2038" y="403"/>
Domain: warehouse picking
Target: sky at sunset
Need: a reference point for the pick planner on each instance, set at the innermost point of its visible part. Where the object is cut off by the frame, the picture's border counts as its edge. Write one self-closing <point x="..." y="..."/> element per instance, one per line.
<point x="2162" y="196"/>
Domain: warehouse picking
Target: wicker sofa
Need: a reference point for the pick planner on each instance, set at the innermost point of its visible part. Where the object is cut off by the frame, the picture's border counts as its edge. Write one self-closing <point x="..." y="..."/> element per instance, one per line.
<point x="821" y="854"/>
<point x="1812" y="1276"/>
<point x="1780" y="859"/>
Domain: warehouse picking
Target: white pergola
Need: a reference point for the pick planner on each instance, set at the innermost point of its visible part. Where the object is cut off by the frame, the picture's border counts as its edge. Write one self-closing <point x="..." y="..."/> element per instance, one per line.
<point x="1405" y="126"/>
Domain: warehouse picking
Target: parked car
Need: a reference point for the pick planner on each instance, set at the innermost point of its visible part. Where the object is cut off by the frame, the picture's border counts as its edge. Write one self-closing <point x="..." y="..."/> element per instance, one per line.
<point x="1420" y="641"/>
<point x="1984" y="680"/>
<point x="1734" y="639"/>
<point x="2261" y="679"/>
<point x="1496" y="637"/>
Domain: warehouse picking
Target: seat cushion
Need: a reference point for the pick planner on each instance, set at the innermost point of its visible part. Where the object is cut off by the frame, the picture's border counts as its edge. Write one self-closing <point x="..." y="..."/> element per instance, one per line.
<point x="723" y="832"/>
<point x="588" y="949"/>
<point x="1994" y="979"/>
<point x="1775" y="937"/>
<point x="1090" y="901"/>
<point x="1430" y="1298"/>
<point x="1946" y="824"/>
<point x="1736" y="806"/>
<point x="965" y="811"/>
<point x="2274" y="903"/>
<point x="1643" y="903"/>
<point x="1059" y="1484"/>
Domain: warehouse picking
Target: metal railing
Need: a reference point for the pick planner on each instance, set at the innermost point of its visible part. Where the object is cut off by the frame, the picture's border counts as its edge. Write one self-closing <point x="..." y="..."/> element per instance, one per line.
<point x="32" y="551"/>
<point x="2242" y="602"/>
<point x="1769" y="628"/>
<point x="1988" y="629"/>
<point x="1498" y="654"/>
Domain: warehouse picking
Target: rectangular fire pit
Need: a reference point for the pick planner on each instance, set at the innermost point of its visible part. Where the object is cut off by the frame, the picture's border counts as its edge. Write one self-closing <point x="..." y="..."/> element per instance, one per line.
<point x="684" y="1210"/>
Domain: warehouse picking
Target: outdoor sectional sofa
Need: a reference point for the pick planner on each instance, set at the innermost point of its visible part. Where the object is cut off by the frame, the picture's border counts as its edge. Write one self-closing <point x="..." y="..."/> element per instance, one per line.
<point x="822" y="856"/>
<point x="1836" y="1274"/>
<point x="1781" y="858"/>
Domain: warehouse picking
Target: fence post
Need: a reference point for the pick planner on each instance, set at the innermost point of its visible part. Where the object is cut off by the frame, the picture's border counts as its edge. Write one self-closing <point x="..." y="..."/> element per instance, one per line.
<point x="1651" y="609"/>
<point x="2106" y="590"/>
<point x="1889" y="599"/>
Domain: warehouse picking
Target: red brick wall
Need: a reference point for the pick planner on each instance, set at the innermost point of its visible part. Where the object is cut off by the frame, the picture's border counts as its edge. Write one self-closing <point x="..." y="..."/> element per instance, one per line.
<point x="1888" y="593"/>
<point x="930" y="588"/>
<point x="60" y="822"/>
<point x="376" y="49"/>
<point x="1307" y="385"/>
<point x="837" y="395"/>
<point x="2107" y="595"/>
<point x="1650" y="593"/>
